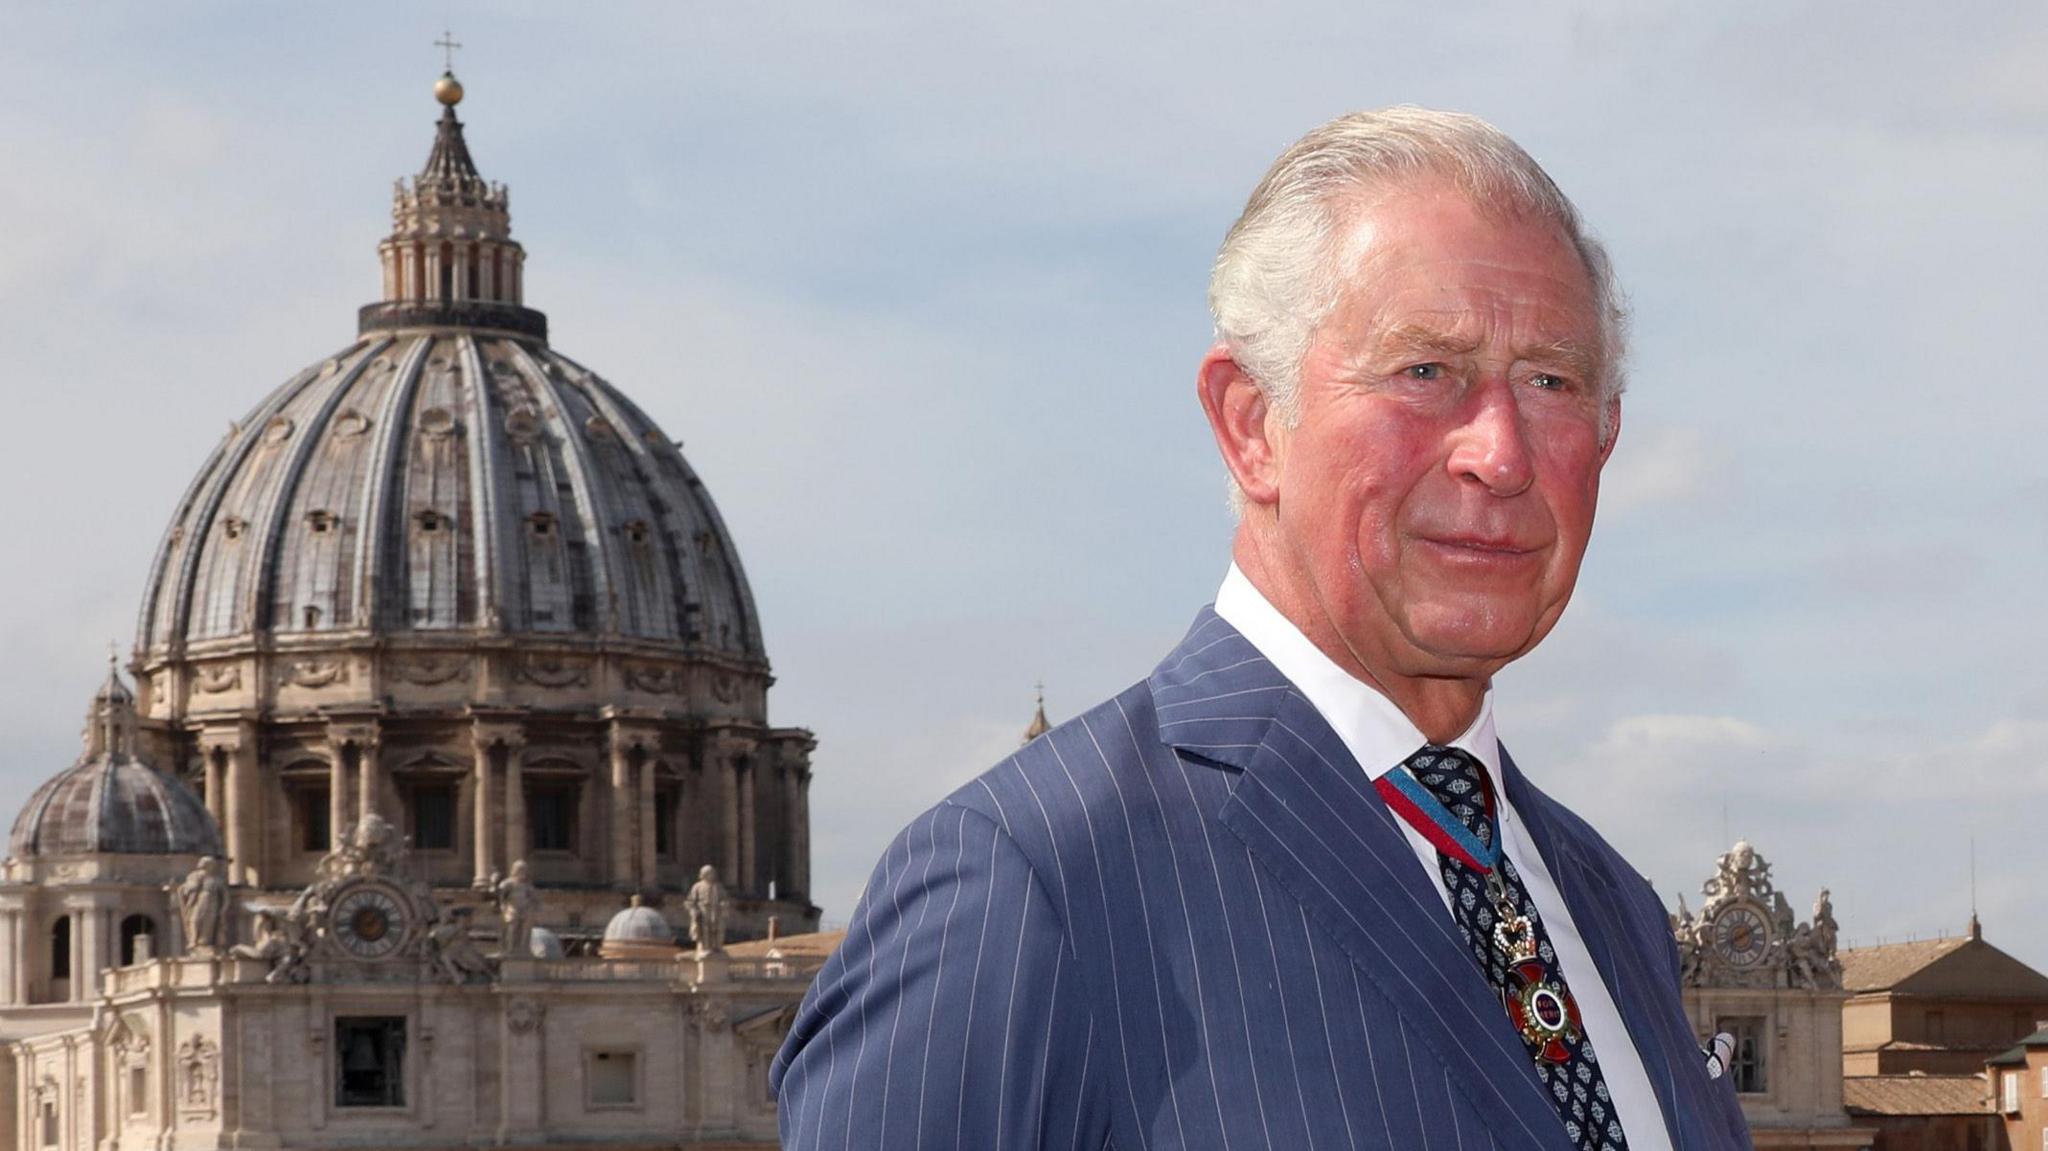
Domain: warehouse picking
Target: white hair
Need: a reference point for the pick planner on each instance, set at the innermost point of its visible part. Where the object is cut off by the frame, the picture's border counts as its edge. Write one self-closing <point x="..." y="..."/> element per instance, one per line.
<point x="1277" y="275"/>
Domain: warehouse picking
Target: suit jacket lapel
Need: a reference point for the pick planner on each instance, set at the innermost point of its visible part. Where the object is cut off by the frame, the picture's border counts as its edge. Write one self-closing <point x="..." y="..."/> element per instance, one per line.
<point x="1304" y="808"/>
<point x="1640" y="988"/>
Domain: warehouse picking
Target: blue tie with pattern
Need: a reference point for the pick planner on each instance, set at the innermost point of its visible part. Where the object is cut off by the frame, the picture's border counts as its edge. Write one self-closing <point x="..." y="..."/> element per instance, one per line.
<point x="1576" y="1086"/>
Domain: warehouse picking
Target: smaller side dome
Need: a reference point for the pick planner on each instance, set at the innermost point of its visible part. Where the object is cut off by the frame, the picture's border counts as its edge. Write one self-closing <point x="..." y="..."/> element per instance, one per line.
<point x="110" y="802"/>
<point x="114" y="806"/>
<point x="638" y="932"/>
<point x="639" y="923"/>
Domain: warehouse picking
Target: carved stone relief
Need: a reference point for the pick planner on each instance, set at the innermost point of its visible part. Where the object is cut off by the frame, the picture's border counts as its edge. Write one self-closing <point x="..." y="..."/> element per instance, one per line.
<point x="707" y="1013"/>
<point x="198" y="1076"/>
<point x="1746" y="934"/>
<point x="523" y="1015"/>
<point x="427" y="670"/>
<point x="217" y="679"/>
<point x="315" y="673"/>
<point x="656" y="678"/>
<point x="553" y="671"/>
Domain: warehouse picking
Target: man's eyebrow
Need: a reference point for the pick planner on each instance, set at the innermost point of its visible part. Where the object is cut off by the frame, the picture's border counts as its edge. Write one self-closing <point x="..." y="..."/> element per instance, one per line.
<point x="1418" y="338"/>
<point x="1567" y="351"/>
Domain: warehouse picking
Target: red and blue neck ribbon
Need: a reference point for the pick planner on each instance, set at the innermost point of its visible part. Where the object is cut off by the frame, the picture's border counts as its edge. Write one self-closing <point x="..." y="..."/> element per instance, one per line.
<point x="1424" y="812"/>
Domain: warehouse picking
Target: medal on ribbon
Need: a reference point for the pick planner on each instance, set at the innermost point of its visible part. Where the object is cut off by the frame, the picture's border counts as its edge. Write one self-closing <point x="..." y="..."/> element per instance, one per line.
<point x="1538" y="1004"/>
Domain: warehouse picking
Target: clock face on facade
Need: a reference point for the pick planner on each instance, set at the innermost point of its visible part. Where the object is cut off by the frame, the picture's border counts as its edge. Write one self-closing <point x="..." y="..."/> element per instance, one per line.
<point x="369" y="921"/>
<point x="1742" y="935"/>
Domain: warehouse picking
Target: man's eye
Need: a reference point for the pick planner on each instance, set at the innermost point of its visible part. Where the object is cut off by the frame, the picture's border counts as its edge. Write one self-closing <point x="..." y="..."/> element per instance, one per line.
<point x="1424" y="372"/>
<point x="1550" y="383"/>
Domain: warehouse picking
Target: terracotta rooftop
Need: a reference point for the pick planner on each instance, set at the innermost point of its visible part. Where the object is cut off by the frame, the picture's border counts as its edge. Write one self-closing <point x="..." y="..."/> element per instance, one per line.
<point x="816" y="944"/>
<point x="1916" y="1095"/>
<point x="1959" y="967"/>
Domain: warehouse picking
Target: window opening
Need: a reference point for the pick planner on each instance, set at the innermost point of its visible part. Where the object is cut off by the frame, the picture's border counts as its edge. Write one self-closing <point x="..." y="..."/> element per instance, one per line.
<point x="369" y="1054"/>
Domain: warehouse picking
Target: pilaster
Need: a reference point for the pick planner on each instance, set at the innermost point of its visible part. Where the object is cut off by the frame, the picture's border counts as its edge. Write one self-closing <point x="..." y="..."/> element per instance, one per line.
<point x="491" y="740"/>
<point x="633" y="747"/>
<point x="358" y="740"/>
<point x="234" y="795"/>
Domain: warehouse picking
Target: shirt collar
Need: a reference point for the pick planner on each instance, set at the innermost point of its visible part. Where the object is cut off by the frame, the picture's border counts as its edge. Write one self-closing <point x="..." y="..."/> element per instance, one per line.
<point x="1378" y="735"/>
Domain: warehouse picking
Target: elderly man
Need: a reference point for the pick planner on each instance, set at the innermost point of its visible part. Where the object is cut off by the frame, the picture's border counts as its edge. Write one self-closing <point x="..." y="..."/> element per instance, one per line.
<point x="1289" y="891"/>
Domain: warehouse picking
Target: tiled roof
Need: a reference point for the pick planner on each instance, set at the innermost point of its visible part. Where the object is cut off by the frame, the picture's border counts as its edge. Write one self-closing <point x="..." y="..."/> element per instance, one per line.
<point x="1916" y="1094"/>
<point x="1961" y="967"/>
<point x="816" y="944"/>
<point x="110" y="803"/>
<point x="1883" y="967"/>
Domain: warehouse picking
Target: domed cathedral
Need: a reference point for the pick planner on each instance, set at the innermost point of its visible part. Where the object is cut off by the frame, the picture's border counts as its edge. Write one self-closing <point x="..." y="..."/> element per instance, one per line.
<point x="446" y="779"/>
<point x="451" y="577"/>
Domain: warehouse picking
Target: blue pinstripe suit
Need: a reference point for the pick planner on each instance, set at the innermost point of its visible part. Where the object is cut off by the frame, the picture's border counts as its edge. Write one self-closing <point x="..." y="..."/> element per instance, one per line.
<point x="1186" y="920"/>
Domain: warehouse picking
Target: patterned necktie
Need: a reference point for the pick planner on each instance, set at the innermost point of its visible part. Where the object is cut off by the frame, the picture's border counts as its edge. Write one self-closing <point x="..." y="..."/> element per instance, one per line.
<point x="1566" y="1065"/>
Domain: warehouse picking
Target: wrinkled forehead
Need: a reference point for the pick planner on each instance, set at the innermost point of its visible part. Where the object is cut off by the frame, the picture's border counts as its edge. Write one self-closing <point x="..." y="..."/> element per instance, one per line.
<point x="1450" y="271"/>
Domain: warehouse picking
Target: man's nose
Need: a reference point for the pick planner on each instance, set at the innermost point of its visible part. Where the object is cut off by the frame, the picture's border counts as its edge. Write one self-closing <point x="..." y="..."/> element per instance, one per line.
<point x="1492" y="446"/>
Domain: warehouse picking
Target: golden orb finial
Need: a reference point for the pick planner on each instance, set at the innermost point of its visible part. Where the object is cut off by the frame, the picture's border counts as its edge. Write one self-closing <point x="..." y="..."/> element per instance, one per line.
<point x="448" y="90"/>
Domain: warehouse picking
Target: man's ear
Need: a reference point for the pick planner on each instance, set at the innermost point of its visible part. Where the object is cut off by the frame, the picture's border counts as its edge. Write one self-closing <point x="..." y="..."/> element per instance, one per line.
<point x="1238" y="415"/>
<point x="1612" y="428"/>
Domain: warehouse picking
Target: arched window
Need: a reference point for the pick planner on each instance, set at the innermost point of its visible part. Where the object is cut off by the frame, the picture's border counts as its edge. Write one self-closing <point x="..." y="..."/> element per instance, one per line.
<point x="131" y="928"/>
<point x="60" y="948"/>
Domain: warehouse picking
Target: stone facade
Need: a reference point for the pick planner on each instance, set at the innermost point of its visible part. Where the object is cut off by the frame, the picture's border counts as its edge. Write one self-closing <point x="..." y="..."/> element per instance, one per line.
<point x="361" y="1032"/>
<point x="445" y="662"/>
<point x="1770" y="982"/>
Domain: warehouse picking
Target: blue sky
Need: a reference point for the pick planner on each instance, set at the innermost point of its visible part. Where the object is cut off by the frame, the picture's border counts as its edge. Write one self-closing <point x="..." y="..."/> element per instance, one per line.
<point x="921" y="290"/>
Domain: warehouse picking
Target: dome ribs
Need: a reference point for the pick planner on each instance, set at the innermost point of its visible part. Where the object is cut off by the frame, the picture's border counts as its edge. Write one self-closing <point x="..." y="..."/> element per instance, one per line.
<point x="199" y="536"/>
<point x="266" y="557"/>
<point x="659" y="610"/>
<point x="171" y="547"/>
<point x="434" y="566"/>
<point x="555" y="414"/>
<point x="372" y="547"/>
<point x="489" y="531"/>
<point x="312" y="590"/>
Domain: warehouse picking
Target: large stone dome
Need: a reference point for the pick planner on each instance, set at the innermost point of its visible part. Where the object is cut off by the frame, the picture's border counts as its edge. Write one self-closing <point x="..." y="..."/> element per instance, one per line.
<point x="449" y="577"/>
<point x="447" y="473"/>
<point x="434" y="483"/>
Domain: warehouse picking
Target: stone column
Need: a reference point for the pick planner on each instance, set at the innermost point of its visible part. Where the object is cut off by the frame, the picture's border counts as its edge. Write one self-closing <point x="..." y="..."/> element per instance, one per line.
<point x="216" y="802"/>
<point x="749" y="783"/>
<point x="369" y="775"/>
<point x="337" y="791"/>
<point x="802" y="830"/>
<point x="458" y="284"/>
<point x="10" y="956"/>
<point x="486" y="275"/>
<point x="648" y="815"/>
<point x="431" y="290"/>
<point x="621" y="831"/>
<point x="726" y="757"/>
<point x="515" y="804"/>
<point x="482" y="830"/>
<point x="787" y="853"/>
<point x="85" y="951"/>
<point x="244" y="810"/>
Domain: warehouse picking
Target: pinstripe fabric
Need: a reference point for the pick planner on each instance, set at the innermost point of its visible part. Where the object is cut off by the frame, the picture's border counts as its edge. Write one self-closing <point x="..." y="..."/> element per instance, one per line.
<point x="1185" y="920"/>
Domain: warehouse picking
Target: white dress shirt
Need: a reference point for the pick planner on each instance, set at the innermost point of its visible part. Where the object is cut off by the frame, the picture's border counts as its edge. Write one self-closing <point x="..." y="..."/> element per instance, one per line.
<point x="1381" y="739"/>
